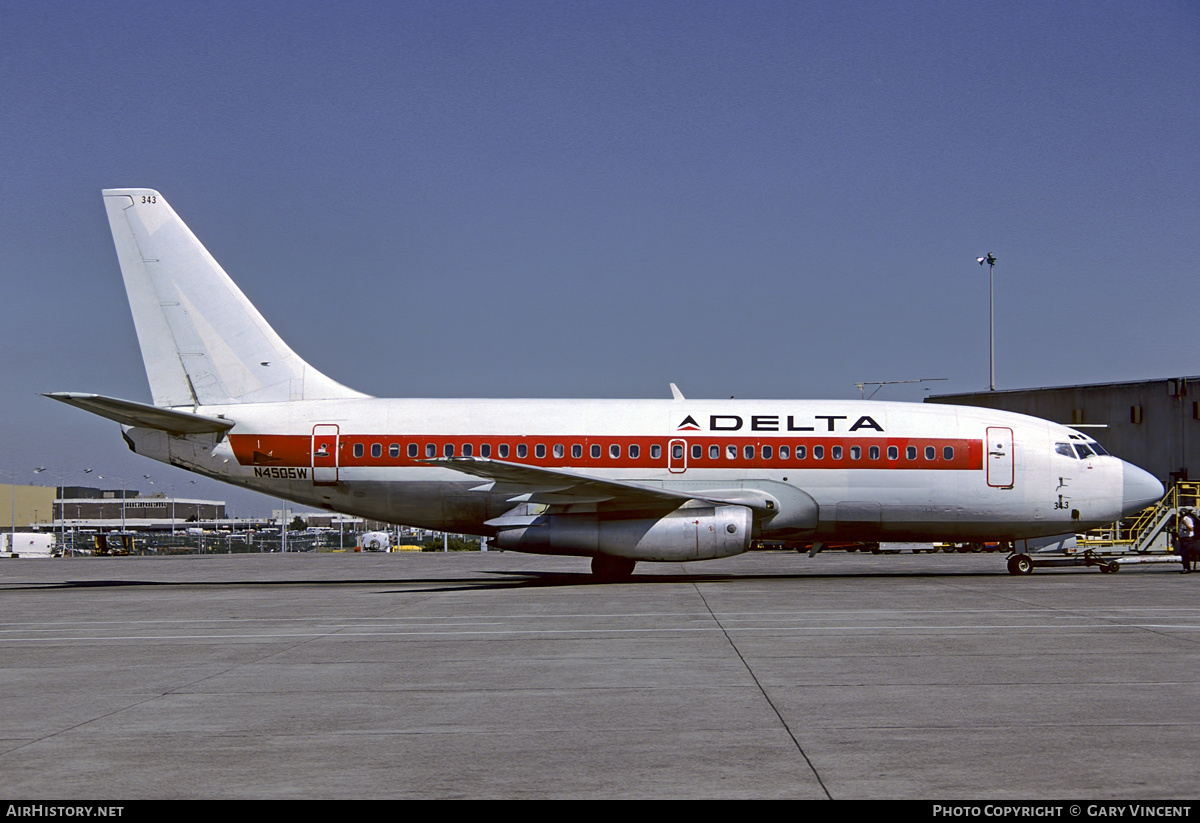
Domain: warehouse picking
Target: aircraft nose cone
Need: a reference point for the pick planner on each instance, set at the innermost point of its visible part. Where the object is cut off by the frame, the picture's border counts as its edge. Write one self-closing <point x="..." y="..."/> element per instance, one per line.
<point x="1140" y="489"/>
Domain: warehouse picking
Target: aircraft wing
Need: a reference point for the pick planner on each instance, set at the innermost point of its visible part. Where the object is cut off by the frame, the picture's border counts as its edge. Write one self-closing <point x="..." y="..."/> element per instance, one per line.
<point x="533" y="484"/>
<point x="130" y="413"/>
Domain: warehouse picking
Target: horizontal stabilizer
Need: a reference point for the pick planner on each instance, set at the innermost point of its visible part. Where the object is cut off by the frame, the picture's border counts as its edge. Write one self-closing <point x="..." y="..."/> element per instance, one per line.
<point x="129" y="413"/>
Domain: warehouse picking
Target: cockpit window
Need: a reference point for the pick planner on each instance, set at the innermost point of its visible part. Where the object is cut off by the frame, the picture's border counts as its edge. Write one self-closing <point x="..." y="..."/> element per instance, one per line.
<point x="1097" y="448"/>
<point x="1064" y="449"/>
<point x="1084" y="451"/>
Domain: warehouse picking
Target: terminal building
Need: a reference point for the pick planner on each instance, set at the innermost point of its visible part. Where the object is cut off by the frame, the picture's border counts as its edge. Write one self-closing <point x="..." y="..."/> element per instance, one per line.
<point x="84" y="507"/>
<point x="43" y="508"/>
<point x="1154" y="424"/>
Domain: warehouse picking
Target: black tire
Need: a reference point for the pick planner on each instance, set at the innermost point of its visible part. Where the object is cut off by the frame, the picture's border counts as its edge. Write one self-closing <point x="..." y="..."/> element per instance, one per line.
<point x="607" y="567"/>
<point x="1020" y="564"/>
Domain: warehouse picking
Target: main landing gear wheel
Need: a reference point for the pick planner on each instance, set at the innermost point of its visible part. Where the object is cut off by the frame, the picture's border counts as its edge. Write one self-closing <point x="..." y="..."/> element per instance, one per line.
<point x="1020" y="564"/>
<point x="606" y="567"/>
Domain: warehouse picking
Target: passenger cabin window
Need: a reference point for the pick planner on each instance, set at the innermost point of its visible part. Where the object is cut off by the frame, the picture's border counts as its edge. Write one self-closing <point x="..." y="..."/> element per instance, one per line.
<point x="522" y="450"/>
<point x="697" y="451"/>
<point x="377" y="450"/>
<point x="358" y="449"/>
<point x="485" y="450"/>
<point x="818" y="452"/>
<point x="930" y="453"/>
<point x="430" y="450"/>
<point x="394" y="450"/>
<point x="731" y="452"/>
<point x="655" y="452"/>
<point x="467" y="450"/>
<point x="893" y="452"/>
<point x="911" y="453"/>
<point x="539" y="451"/>
<point x="560" y="450"/>
<point x="614" y="451"/>
<point x="836" y="452"/>
<point x="856" y="452"/>
<point x="576" y="451"/>
<point x="448" y="450"/>
<point x="767" y="452"/>
<point x="502" y="450"/>
<point x="748" y="452"/>
<point x="874" y="453"/>
<point x="595" y="451"/>
<point x="676" y="451"/>
<point x="714" y="452"/>
<point x="802" y="452"/>
<point x="947" y="452"/>
<point x="413" y="450"/>
<point x="785" y="452"/>
<point x="635" y="451"/>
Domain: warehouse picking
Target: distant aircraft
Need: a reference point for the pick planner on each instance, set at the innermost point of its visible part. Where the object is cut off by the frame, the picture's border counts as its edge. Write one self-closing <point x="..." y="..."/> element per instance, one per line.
<point x="615" y="480"/>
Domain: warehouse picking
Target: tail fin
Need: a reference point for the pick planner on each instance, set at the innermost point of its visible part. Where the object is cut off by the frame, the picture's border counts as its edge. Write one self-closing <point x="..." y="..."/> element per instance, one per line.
<point x="202" y="341"/>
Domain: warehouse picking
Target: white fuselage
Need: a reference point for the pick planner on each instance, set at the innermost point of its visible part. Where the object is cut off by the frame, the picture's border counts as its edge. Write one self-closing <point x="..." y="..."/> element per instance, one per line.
<point x="891" y="471"/>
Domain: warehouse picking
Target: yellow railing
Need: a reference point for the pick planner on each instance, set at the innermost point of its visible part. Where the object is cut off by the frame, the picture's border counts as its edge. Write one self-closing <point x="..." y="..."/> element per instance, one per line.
<point x="1184" y="494"/>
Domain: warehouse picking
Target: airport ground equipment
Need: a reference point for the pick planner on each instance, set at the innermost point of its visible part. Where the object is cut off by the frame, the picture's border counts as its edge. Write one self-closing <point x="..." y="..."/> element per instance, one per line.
<point x="1144" y="538"/>
<point x="27" y="544"/>
<point x="113" y="544"/>
<point x="374" y="542"/>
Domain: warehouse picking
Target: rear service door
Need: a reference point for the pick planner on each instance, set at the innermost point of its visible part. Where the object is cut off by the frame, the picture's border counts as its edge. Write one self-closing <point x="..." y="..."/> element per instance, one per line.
<point x="325" y="454"/>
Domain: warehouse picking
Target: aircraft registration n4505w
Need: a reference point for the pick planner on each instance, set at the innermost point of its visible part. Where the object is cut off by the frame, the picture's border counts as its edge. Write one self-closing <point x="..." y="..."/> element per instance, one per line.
<point x="615" y="480"/>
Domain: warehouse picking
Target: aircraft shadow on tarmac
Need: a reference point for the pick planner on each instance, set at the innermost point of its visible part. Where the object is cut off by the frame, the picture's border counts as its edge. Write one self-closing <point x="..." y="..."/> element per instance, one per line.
<point x="514" y="580"/>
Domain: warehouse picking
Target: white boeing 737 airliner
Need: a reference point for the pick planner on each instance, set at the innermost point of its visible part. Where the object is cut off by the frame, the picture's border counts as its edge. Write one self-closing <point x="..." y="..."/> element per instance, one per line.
<point x="615" y="480"/>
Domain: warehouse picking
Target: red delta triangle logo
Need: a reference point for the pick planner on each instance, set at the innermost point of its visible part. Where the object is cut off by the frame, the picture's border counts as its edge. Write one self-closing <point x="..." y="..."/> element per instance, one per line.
<point x="689" y="424"/>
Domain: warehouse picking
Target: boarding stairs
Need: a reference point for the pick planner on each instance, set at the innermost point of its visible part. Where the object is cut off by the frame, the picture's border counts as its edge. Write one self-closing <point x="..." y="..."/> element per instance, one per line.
<point x="1150" y="529"/>
<point x="1145" y="538"/>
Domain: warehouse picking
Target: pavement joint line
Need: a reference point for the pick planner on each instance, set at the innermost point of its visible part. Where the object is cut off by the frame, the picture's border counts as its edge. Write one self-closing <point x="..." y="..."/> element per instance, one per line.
<point x="750" y="671"/>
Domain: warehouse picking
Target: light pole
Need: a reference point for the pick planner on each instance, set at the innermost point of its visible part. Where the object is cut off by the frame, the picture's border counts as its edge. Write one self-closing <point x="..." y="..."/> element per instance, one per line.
<point x="62" y="513"/>
<point x="990" y="259"/>
<point x="12" y="509"/>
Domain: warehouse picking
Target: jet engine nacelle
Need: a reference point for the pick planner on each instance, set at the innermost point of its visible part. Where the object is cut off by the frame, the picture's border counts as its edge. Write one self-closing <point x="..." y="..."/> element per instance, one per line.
<point x="700" y="533"/>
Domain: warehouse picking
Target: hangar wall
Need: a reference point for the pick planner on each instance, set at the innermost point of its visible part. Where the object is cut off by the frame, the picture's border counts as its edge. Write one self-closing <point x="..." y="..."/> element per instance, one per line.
<point x="1154" y="424"/>
<point x="22" y="506"/>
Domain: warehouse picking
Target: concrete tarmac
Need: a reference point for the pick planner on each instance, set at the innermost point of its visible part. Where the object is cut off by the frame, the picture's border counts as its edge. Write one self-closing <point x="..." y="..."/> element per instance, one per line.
<point x="503" y="675"/>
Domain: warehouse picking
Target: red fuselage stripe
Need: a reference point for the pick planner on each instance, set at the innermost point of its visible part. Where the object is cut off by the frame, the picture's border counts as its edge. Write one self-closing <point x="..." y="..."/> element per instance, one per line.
<point x="833" y="452"/>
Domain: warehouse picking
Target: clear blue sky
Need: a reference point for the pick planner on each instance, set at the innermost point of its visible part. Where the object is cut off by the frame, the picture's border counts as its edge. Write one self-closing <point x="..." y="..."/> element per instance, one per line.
<point x="574" y="199"/>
